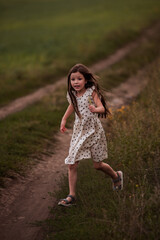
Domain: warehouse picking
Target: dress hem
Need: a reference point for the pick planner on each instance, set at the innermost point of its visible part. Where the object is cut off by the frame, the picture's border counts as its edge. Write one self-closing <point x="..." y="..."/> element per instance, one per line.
<point x="86" y="158"/>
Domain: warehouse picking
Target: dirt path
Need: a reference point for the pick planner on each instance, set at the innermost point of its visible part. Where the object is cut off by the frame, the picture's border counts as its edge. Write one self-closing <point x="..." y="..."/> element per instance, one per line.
<point x="127" y="91"/>
<point x="26" y="199"/>
<point x="21" y="103"/>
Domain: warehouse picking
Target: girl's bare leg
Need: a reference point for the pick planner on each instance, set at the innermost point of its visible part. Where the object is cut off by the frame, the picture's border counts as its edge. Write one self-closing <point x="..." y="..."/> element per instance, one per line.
<point x="72" y="179"/>
<point x="104" y="167"/>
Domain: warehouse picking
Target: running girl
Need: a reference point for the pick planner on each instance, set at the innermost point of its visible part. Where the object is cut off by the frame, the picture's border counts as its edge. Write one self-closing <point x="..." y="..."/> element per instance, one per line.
<point x="88" y="140"/>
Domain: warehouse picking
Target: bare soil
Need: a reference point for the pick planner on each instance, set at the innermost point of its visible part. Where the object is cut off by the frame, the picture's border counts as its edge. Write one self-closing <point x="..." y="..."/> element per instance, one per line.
<point x="26" y="199"/>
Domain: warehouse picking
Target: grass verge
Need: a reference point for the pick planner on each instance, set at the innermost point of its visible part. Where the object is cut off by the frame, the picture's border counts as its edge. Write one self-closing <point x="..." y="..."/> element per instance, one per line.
<point x="24" y="135"/>
<point x="133" y="142"/>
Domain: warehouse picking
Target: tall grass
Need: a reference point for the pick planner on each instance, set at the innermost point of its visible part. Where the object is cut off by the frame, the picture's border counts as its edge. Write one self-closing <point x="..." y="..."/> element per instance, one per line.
<point x="41" y="40"/>
<point x="133" y="142"/>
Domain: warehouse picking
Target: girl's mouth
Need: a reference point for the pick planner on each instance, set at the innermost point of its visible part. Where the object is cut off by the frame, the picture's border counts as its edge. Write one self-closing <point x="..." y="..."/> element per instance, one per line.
<point x="77" y="86"/>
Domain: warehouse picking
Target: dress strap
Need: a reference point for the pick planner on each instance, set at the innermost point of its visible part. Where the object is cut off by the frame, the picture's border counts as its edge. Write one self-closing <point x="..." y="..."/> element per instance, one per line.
<point x="90" y="90"/>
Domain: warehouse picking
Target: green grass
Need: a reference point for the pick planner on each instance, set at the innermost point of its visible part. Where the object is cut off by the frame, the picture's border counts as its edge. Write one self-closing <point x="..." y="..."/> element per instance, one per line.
<point x="133" y="142"/>
<point x="137" y="59"/>
<point x="31" y="127"/>
<point x="41" y="40"/>
<point x="24" y="135"/>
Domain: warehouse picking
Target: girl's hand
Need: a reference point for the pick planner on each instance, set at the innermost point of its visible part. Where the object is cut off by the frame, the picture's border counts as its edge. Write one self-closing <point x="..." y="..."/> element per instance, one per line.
<point x="62" y="127"/>
<point x="92" y="108"/>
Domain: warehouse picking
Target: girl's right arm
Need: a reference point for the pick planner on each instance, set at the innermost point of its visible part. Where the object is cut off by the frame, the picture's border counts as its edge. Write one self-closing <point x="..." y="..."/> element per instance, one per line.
<point x="68" y="112"/>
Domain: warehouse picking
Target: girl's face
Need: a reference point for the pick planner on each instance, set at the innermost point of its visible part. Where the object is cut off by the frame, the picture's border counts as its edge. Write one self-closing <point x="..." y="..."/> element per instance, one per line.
<point x="78" y="82"/>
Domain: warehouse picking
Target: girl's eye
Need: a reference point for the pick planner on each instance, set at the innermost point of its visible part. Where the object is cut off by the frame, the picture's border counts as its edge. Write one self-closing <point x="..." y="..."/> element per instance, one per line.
<point x="72" y="79"/>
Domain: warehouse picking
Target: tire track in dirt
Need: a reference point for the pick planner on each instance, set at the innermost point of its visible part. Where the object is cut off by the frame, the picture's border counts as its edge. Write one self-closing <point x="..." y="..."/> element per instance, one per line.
<point x="26" y="199"/>
<point x="20" y="103"/>
<point x="127" y="91"/>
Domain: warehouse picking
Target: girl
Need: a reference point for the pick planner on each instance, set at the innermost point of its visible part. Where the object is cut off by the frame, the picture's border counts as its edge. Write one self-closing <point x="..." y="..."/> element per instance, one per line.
<point x="88" y="140"/>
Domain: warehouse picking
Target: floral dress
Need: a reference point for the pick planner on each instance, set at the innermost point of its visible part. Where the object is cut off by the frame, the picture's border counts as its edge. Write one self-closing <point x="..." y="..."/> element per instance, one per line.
<point x="88" y="139"/>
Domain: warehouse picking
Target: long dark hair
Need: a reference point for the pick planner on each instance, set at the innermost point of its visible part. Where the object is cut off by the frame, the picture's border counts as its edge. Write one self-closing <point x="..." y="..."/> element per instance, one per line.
<point x="91" y="81"/>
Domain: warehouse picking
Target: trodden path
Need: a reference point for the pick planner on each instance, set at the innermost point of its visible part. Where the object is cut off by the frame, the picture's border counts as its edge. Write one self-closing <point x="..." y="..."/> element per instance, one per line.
<point x="21" y="103"/>
<point x="26" y="199"/>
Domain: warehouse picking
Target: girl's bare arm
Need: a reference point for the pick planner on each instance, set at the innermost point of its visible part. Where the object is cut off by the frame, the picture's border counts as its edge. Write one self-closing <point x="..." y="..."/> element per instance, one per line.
<point x="68" y="112"/>
<point x="99" y="107"/>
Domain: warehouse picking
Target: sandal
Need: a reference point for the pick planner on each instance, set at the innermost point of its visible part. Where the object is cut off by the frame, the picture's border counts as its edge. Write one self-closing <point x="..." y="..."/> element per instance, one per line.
<point x="67" y="203"/>
<point x="118" y="179"/>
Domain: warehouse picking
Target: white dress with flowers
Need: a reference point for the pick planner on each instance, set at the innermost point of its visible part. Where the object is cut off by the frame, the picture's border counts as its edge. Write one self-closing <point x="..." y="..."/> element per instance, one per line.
<point x="88" y="139"/>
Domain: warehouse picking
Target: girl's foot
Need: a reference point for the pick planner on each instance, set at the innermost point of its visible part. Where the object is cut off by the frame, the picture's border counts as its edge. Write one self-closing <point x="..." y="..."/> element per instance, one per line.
<point x="118" y="182"/>
<point x="68" y="201"/>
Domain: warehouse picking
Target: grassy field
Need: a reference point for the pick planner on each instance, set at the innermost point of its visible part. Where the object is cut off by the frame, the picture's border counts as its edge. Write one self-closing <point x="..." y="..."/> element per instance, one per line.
<point x="41" y="40"/>
<point x="40" y="121"/>
<point x="25" y="133"/>
<point x="133" y="142"/>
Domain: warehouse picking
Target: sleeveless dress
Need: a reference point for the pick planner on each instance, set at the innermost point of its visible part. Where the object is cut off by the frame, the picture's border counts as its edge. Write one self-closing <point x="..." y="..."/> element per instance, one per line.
<point x="88" y="138"/>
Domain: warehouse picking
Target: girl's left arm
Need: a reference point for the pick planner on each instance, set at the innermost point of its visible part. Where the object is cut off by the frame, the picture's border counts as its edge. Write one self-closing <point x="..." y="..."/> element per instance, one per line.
<point x="99" y="106"/>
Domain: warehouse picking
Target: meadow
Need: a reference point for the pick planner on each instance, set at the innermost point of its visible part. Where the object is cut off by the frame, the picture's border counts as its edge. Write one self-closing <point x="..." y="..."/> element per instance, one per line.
<point x="24" y="135"/>
<point x="41" y="40"/>
<point x="132" y="214"/>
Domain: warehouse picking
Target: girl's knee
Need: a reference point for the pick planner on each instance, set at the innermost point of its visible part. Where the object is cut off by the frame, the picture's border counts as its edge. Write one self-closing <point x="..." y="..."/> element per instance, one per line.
<point x="73" y="166"/>
<point x="97" y="165"/>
